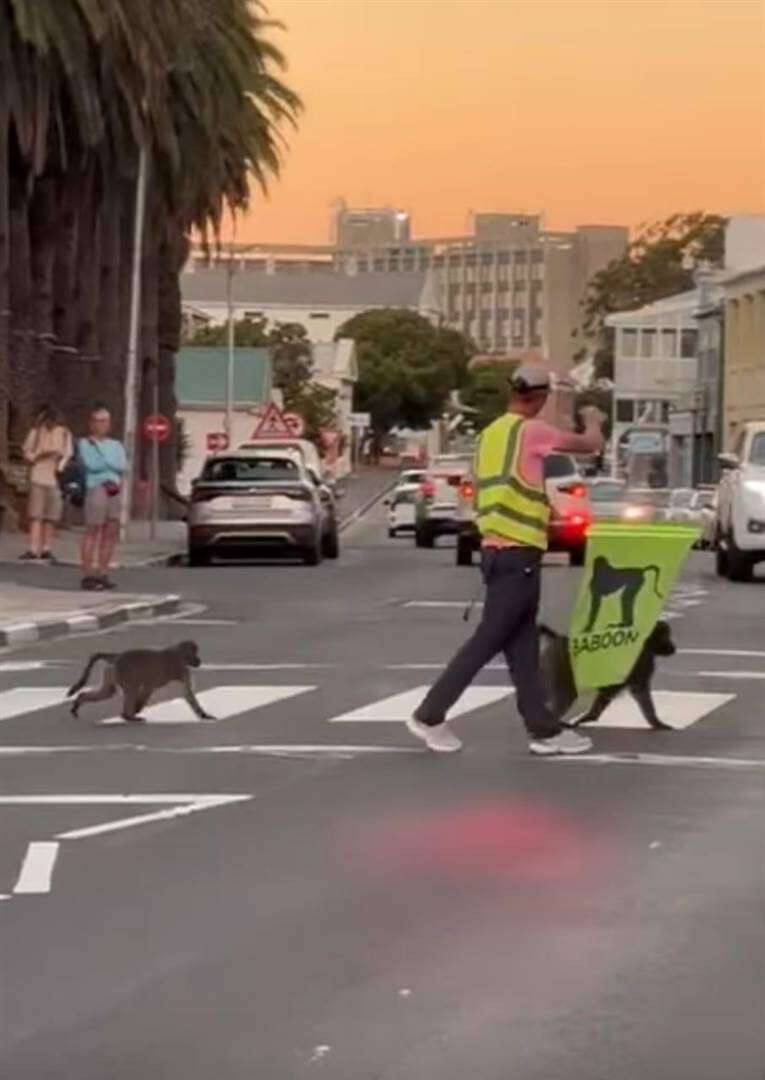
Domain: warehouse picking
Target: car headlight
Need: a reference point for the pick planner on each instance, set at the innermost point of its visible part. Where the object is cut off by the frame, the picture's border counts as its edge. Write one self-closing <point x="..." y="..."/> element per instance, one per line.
<point x="633" y="513"/>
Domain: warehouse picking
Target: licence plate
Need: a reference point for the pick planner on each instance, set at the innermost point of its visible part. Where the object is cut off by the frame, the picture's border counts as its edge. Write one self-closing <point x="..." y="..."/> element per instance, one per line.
<point x="252" y="502"/>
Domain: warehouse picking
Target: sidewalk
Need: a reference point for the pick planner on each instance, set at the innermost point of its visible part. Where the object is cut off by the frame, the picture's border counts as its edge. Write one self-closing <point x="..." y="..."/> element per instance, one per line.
<point x="29" y="614"/>
<point x="138" y="550"/>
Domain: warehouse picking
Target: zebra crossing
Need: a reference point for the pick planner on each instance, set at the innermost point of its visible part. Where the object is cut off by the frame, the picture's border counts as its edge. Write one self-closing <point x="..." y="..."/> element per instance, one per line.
<point x="226" y="702"/>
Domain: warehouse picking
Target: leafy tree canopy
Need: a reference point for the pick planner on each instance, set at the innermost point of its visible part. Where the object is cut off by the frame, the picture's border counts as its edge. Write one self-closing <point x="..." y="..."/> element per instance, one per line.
<point x="659" y="262"/>
<point x="407" y="366"/>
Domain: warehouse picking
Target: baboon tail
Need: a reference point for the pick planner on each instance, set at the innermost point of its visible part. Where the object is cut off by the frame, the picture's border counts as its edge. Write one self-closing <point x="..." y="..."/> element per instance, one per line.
<point x="88" y="668"/>
<point x="657" y="575"/>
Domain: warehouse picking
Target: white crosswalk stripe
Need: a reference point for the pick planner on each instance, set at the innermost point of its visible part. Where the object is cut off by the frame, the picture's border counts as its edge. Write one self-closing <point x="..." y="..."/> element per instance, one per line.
<point x="222" y="702"/>
<point x="27" y="699"/>
<point x="400" y="707"/>
<point x="677" y="708"/>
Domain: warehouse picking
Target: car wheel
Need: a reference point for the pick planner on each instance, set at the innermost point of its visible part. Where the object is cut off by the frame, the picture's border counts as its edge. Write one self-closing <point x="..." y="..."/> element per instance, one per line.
<point x="199" y="556"/>
<point x="330" y="546"/>
<point x="312" y="554"/>
<point x="423" y="537"/>
<point x="740" y="566"/>
<point x="464" y="551"/>
<point x="721" y="559"/>
<point x="576" y="556"/>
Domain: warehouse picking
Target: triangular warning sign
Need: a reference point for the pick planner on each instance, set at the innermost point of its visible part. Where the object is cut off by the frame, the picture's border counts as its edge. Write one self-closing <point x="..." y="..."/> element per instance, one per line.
<point x="272" y="425"/>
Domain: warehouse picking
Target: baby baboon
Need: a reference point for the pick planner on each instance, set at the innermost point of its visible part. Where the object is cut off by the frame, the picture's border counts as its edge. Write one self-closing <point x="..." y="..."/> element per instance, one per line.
<point x="138" y="673"/>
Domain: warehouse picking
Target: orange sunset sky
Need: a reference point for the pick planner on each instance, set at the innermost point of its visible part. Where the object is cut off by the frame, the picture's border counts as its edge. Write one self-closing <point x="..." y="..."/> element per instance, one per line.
<point x="613" y="111"/>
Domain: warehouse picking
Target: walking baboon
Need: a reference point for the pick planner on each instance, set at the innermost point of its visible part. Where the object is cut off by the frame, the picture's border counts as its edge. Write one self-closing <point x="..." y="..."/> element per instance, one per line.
<point x="139" y="673"/>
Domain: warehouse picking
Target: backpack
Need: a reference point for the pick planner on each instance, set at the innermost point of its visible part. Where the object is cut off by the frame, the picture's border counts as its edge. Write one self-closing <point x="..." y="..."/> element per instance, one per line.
<point x="71" y="481"/>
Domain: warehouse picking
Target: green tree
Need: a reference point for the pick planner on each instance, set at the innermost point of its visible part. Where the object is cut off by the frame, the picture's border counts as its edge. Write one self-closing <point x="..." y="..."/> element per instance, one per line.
<point x="487" y="391"/>
<point x="407" y="367"/>
<point x="658" y="263"/>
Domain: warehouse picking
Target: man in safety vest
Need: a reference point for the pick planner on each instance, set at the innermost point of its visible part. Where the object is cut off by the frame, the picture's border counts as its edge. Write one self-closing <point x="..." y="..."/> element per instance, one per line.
<point x="512" y="517"/>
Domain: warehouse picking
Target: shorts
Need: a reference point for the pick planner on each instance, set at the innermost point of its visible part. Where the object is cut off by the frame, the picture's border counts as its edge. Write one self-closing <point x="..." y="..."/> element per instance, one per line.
<point x="45" y="503"/>
<point x="101" y="508"/>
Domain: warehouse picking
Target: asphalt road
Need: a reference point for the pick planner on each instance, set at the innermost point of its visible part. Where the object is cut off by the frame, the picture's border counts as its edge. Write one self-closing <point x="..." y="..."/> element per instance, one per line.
<point x="366" y="910"/>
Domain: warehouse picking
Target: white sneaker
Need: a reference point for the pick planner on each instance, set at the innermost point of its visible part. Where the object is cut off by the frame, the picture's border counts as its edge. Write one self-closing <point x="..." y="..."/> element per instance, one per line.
<point x="439" y="738"/>
<point x="566" y="742"/>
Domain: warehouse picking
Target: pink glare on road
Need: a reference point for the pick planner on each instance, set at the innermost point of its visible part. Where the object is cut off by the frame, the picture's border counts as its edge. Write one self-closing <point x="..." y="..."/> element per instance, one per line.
<point x="514" y="839"/>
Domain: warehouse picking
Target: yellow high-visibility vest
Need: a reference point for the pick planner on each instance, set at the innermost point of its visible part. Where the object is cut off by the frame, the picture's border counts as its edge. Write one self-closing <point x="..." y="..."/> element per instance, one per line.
<point x="506" y="504"/>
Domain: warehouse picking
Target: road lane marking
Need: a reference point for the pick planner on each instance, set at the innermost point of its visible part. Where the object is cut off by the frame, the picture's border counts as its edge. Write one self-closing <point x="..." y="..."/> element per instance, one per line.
<point x="204" y="802"/>
<point x="721" y="652"/>
<point x="264" y="667"/>
<point x="27" y="699"/>
<point x="732" y="674"/>
<point x="222" y="702"/>
<point x="677" y="708"/>
<point x="399" y="707"/>
<point x="441" y="603"/>
<point x="678" y="760"/>
<point x="37" y="867"/>
<point x="275" y="749"/>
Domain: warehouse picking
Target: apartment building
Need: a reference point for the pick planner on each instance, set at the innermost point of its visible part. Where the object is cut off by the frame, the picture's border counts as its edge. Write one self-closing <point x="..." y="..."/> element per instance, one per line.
<point x="509" y="285"/>
<point x="744" y="386"/>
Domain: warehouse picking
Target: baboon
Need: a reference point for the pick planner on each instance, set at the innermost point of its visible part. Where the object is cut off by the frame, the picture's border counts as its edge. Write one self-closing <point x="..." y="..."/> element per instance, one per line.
<point x="138" y="673"/>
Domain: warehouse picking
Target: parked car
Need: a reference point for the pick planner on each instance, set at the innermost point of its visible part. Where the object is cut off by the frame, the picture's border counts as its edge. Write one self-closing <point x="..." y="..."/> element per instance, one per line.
<point x="607" y="496"/>
<point x="401" y="509"/>
<point x="740" y="532"/>
<point x="709" y="518"/>
<point x="643" y="505"/>
<point x="304" y="449"/>
<point x="253" y="500"/>
<point x="437" y="501"/>
<point x="411" y="476"/>
<point x="570" y="512"/>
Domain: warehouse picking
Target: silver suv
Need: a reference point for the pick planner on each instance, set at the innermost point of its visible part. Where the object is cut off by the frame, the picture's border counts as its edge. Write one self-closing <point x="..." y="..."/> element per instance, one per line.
<point x="255" y="500"/>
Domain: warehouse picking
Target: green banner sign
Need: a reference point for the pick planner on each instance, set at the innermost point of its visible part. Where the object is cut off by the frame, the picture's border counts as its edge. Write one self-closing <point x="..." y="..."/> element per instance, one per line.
<point x="628" y="574"/>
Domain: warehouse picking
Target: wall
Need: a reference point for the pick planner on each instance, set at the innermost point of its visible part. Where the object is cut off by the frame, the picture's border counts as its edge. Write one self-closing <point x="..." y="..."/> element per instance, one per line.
<point x="196" y="424"/>
<point x="744" y="390"/>
<point x="318" y="330"/>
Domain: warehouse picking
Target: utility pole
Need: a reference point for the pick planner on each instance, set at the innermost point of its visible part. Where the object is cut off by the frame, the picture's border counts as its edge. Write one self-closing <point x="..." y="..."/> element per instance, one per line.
<point x="131" y="370"/>
<point x="229" y="424"/>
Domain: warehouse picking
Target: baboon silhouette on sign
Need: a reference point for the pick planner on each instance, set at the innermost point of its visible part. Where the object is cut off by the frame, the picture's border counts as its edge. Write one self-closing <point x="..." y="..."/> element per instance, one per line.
<point x="607" y="580"/>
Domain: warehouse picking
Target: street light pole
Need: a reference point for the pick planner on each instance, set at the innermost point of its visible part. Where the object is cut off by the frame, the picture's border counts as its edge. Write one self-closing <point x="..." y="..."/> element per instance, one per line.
<point x="230" y="358"/>
<point x="131" y="370"/>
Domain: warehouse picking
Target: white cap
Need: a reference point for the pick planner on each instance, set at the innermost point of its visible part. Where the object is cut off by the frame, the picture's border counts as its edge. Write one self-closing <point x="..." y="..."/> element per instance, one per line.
<point x="529" y="379"/>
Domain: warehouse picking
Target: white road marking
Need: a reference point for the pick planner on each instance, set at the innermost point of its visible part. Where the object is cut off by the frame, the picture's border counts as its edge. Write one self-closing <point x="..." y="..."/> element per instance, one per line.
<point x="264" y="667"/>
<point x="437" y="667"/>
<point x="222" y="702"/>
<point x="732" y="674"/>
<point x="677" y="708"/>
<point x="27" y="699"/>
<point x="721" y="652"/>
<point x="685" y="761"/>
<point x="441" y="603"/>
<point x="274" y="749"/>
<point x="24" y="665"/>
<point x="399" y="707"/>
<point x="206" y="802"/>
<point x="37" y="868"/>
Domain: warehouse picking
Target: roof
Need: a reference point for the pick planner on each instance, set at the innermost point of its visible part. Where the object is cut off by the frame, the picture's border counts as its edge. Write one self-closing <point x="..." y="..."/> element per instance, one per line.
<point x="319" y="289"/>
<point x="336" y="358"/>
<point x="200" y="376"/>
<point x="682" y="306"/>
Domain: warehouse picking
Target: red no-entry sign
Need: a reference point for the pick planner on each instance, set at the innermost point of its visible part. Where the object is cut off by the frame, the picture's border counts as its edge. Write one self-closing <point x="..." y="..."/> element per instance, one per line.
<point x="157" y="428"/>
<point x="216" y="440"/>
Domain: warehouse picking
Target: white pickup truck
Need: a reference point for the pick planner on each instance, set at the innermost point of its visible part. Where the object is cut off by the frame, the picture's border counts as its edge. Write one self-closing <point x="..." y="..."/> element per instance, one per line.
<point x="740" y="533"/>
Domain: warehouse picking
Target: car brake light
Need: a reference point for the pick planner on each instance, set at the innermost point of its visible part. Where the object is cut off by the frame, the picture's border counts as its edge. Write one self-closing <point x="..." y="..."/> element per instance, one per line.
<point x="467" y="491"/>
<point x="577" y="490"/>
<point x="428" y="489"/>
<point x="577" y="519"/>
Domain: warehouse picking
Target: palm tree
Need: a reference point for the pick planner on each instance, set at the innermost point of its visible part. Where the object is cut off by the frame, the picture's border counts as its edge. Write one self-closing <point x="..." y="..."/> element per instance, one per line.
<point x="88" y="82"/>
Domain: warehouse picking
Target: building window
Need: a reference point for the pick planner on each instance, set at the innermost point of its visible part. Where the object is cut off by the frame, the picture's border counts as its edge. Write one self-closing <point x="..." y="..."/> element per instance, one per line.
<point x="319" y="315"/>
<point x="648" y="343"/>
<point x="504" y="258"/>
<point x="669" y="343"/>
<point x="537" y="270"/>
<point x="625" y="411"/>
<point x="628" y="343"/>
<point x="487" y="258"/>
<point x="688" y="340"/>
<point x="253" y="315"/>
<point x="521" y="257"/>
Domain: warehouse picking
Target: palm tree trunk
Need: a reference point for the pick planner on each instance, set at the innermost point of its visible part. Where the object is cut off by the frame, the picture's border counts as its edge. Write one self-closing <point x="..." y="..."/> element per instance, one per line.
<point x="25" y="389"/>
<point x="42" y="252"/>
<point x="5" y="300"/>
<point x="112" y="254"/>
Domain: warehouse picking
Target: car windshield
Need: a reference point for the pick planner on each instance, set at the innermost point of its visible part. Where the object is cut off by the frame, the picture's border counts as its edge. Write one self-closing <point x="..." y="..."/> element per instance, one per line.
<point x="404" y="498"/>
<point x="559" y="465"/>
<point x="607" y="492"/>
<point x="648" y="497"/>
<point x="757" y="452"/>
<point x="250" y="470"/>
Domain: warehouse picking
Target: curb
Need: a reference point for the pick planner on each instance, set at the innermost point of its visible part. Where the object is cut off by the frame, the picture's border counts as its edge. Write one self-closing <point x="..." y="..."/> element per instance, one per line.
<point x="365" y="507"/>
<point x="84" y="621"/>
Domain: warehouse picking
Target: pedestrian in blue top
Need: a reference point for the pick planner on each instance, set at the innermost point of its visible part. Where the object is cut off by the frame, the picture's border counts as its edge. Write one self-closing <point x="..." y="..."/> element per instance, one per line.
<point x="104" y="464"/>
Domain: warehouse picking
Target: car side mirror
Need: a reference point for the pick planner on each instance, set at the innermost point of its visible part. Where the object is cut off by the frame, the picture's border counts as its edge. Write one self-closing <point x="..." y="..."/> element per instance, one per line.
<point x="728" y="461"/>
